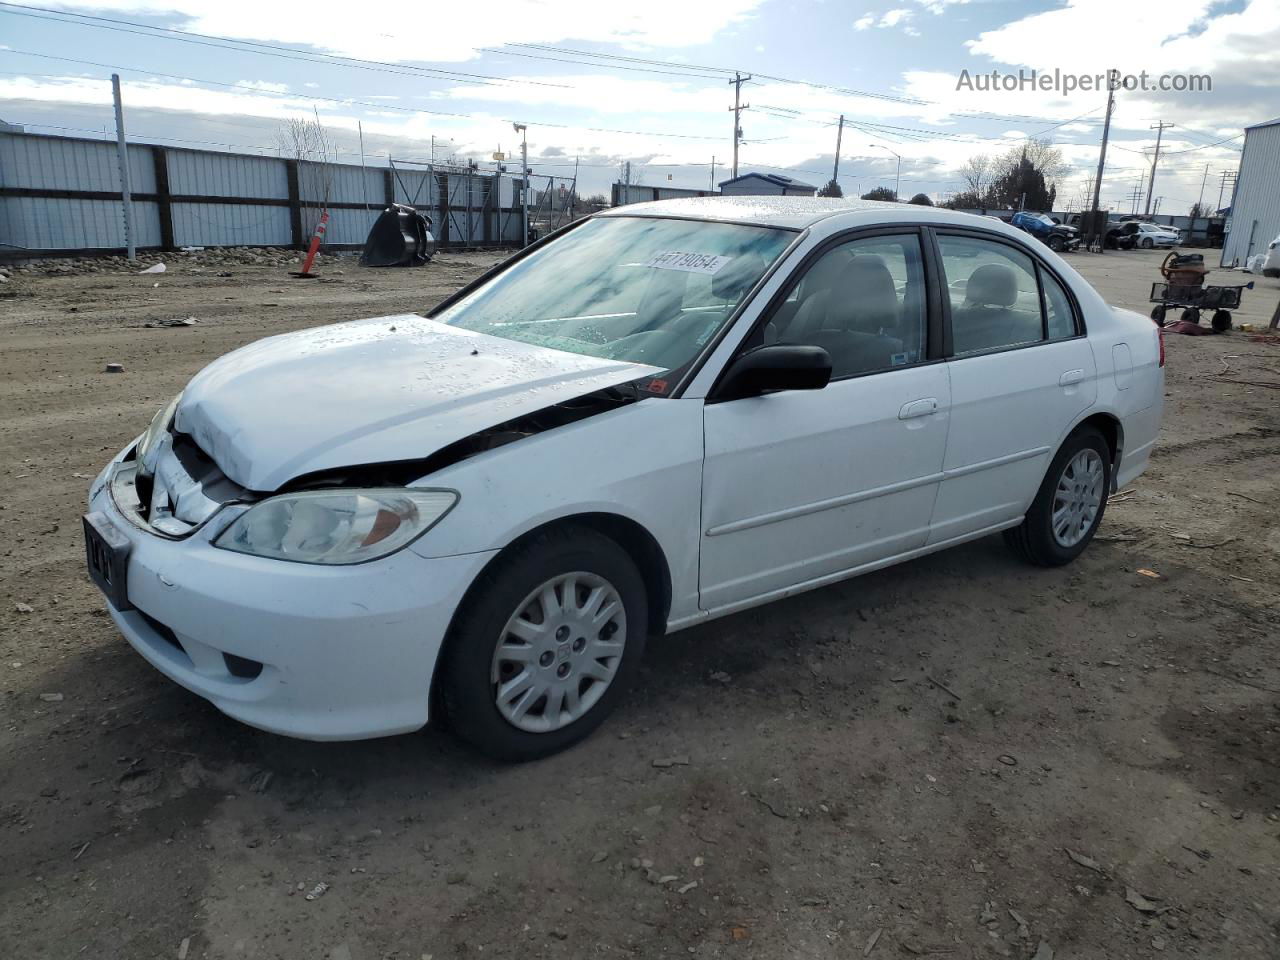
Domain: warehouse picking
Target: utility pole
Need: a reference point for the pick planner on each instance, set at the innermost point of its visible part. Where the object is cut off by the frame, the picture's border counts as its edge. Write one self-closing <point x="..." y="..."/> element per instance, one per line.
<point x="1098" y="229"/>
<point x="364" y="180"/>
<point x="573" y="194"/>
<point x="122" y="149"/>
<point x="524" y="180"/>
<point x="1228" y="176"/>
<point x="737" y="108"/>
<point x="712" y="186"/>
<point x="1159" y="128"/>
<point x="835" y="172"/>
<point x="1200" y="202"/>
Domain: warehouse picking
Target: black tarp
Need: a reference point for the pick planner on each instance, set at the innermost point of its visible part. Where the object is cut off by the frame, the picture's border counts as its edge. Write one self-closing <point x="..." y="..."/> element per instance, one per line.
<point x="400" y="237"/>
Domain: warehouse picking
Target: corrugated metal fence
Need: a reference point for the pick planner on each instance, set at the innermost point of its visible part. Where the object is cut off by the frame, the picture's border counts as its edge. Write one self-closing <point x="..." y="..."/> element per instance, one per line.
<point x="61" y="195"/>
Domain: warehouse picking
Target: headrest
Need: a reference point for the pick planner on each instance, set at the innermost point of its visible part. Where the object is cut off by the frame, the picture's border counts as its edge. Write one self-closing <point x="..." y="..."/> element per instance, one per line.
<point x="868" y="275"/>
<point x="992" y="285"/>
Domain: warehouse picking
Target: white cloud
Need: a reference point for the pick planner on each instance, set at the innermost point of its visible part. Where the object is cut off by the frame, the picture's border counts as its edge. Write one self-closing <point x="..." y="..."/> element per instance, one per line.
<point x="892" y="18"/>
<point x="264" y="85"/>
<point x="939" y="6"/>
<point x="393" y="30"/>
<point x="865" y="21"/>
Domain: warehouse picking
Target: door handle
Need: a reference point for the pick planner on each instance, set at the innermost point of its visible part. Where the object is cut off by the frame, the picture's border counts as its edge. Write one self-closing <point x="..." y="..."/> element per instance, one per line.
<point x="1070" y="378"/>
<point x="918" y="408"/>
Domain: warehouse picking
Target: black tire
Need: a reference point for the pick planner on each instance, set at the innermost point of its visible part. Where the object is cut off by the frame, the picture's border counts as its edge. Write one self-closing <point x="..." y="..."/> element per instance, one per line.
<point x="465" y="684"/>
<point x="1033" y="539"/>
<point x="1221" y="321"/>
<point x="1147" y="243"/>
<point x="1191" y="315"/>
<point x="1055" y="244"/>
<point x="1157" y="314"/>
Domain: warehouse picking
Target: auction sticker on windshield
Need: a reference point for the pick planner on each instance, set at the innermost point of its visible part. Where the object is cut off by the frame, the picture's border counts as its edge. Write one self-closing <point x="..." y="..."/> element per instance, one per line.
<point x="688" y="262"/>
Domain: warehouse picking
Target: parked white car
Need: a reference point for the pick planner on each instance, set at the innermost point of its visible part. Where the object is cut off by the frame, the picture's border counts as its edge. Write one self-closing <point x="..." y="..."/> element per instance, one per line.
<point x="1271" y="264"/>
<point x="1154" y="235"/>
<point x="664" y="414"/>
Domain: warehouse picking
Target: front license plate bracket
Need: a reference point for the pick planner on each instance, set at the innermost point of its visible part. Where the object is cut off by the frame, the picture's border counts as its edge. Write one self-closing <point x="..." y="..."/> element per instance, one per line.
<point x="106" y="554"/>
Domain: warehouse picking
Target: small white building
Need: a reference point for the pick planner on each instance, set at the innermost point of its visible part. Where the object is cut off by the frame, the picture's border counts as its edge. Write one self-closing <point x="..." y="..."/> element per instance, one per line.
<point x="766" y="185"/>
<point x="1255" y="206"/>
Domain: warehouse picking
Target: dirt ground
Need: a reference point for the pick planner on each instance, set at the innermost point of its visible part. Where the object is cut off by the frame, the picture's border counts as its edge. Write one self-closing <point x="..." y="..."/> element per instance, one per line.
<point x="961" y="756"/>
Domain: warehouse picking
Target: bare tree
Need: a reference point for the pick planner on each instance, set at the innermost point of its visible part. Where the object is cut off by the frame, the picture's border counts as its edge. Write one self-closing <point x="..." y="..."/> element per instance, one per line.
<point x="977" y="173"/>
<point x="308" y="142"/>
<point x="1044" y="156"/>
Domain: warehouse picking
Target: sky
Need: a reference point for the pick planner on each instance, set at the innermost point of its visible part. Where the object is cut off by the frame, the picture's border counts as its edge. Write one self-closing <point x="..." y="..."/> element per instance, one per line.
<point x="600" y="84"/>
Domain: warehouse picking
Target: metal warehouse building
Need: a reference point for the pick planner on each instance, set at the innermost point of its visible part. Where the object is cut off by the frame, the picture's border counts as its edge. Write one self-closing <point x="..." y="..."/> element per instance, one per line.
<point x="1255" y="207"/>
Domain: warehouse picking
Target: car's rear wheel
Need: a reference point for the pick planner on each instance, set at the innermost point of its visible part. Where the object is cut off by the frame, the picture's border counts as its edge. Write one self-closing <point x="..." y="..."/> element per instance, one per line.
<point x="1069" y="504"/>
<point x="544" y="645"/>
<point x="1147" y="243"/>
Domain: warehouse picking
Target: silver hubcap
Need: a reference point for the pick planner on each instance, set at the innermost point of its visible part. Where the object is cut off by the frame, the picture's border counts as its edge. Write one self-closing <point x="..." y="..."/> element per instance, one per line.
<point x="559" y="652"/>
<point x="1078" y="498"/>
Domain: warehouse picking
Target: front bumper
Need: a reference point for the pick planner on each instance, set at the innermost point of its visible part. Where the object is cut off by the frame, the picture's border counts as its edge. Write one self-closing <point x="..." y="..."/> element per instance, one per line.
<point x="345" y="652"/>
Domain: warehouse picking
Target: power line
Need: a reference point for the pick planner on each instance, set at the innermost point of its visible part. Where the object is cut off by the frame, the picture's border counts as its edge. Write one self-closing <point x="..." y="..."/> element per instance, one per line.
<point x="255" y="47"/>
<point x="347" y="101"/>
<point x="617" y="61"/>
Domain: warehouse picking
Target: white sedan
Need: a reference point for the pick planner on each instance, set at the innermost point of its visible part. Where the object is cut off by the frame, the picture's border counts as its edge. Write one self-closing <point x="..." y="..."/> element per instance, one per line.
<point x="1155" y="235"/>
<point x="663" y="414"/>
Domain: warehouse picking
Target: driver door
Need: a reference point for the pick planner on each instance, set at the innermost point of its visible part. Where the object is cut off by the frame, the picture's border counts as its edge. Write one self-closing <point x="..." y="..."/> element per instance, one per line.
<point x="802" y="487"/>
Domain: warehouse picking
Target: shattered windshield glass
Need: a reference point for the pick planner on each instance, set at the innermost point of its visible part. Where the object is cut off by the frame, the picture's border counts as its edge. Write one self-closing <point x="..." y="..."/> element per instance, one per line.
<point x="640" y="289"/>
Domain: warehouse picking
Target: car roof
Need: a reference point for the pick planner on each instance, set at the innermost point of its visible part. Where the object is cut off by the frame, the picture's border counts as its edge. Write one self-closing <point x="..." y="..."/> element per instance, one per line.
<point x="795" y="213"/>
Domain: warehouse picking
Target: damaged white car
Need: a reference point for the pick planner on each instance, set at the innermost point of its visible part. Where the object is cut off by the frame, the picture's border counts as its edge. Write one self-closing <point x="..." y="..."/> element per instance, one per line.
<point x="663" y="414"/>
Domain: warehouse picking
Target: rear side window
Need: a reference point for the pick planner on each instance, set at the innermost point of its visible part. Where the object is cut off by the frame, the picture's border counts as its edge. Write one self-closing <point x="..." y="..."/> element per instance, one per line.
<point x="995" y="299"/>
<point x="1060" y="320"/>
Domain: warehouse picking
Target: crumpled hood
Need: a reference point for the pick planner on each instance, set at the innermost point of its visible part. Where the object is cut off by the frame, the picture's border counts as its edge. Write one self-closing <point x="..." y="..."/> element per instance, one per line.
<point x="371" y="391"/>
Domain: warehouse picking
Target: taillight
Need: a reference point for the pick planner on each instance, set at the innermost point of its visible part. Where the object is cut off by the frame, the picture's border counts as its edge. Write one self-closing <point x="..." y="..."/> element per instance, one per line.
<point x="1160" y="337"/>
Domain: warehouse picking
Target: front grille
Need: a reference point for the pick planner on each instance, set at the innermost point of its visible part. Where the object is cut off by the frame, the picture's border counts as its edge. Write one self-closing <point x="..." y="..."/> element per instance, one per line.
<point x="184" y="489"/>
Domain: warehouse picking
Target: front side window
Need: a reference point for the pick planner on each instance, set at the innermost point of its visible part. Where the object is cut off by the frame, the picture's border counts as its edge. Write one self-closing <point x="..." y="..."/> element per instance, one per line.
<point x="639" y="289"/>
<point x="863" y="302"/>
<point x="995" y="300"/>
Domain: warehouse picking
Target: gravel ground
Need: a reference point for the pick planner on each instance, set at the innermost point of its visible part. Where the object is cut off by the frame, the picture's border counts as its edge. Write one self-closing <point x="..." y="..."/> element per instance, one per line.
<point x="959" y="756"/>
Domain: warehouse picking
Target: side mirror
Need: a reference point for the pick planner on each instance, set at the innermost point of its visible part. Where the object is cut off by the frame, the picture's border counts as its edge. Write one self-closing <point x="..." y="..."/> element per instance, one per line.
<point x="779" y="366"/>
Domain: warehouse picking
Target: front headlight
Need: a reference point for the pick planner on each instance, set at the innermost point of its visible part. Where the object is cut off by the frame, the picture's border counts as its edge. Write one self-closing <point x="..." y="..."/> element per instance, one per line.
<point x="158" y="428"/>
<point x="336" y="526"/>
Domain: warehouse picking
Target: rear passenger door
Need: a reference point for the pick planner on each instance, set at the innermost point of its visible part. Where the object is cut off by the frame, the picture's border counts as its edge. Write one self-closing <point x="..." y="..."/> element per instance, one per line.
<point x="1022" y="372"/>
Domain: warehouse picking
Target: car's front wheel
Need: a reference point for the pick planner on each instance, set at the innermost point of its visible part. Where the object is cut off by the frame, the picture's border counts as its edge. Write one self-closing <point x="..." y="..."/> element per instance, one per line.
<point x="544" y="645"/>
<point x="1147" y="243"/>
<point x="1069" y="504"/>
